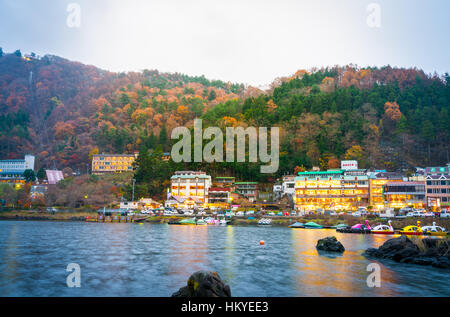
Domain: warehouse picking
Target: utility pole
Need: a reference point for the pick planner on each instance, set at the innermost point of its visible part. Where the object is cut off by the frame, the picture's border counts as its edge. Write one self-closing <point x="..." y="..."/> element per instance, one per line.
<point x="134" y="181"/>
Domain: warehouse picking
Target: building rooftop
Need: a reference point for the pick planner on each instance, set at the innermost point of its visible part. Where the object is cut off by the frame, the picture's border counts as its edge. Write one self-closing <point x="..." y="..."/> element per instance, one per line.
<point x="321" y="173"/>
<point x="246" y="183"/>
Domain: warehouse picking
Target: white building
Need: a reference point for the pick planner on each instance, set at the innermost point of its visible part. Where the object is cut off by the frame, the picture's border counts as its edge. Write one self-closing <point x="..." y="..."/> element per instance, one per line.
<point x="11" y="170"/>
<point x="190" y="189"/>
<point x="287" y="187"/>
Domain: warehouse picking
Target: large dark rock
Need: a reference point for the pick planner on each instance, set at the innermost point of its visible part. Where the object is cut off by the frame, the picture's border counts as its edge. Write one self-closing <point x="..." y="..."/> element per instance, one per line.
<point x="403" y="250"/>
<point x="204" y="284"/>
<point x="330" y="244"/>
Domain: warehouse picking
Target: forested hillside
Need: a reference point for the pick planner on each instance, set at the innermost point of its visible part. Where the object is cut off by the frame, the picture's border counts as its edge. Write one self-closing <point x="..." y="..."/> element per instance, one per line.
<point x="64" y="111"/>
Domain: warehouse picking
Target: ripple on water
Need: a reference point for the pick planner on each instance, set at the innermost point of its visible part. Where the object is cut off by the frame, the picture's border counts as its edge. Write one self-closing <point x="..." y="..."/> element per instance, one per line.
<point x="156" y="260"/>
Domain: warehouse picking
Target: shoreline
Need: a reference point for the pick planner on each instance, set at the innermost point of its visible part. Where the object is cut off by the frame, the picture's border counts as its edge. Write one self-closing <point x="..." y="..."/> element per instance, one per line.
<point x="277" y="221"/>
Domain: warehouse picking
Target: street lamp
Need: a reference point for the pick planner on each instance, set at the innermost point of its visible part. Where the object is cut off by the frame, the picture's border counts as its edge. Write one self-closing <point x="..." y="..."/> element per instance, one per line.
<point x="134" y="181"/>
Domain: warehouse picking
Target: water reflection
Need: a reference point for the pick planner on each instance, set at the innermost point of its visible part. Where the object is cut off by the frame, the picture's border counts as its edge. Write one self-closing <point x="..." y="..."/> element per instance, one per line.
<point x="156" y="260"/>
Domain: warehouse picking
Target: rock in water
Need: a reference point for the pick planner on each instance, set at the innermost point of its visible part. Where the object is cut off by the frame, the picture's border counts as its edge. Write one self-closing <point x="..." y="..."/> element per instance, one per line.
<point x="330" y="244"/>
<point x="403" y="250"/>
<point x="204" y="284"/>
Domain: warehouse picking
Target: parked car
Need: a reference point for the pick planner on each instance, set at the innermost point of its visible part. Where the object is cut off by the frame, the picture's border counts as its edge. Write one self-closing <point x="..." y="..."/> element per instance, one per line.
<point x="444" y="213"/>
<point x="356" y="214"/>
<point x="293" y="213"/>
<point x="410" y="214"/>
<point x="429" y="214"/>
<point x="419" y="213"/>
<point x="239" y="214"/>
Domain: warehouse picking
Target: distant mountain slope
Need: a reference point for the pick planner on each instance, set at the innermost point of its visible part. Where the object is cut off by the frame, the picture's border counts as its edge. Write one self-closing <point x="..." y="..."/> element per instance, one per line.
<point x="64" y="111"/>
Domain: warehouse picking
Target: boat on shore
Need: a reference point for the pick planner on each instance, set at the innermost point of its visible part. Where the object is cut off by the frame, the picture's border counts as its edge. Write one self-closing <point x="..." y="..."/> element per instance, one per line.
<point x="339" y="226"/>
<point x="297" y="225"/>
<point x="188" y="222"/>
<point x="265" y="222"/>
<point x="312" y="225"/>
<point x="434" y="230"/>
<point x="383" y="229"/>
<point x="412" y="230"/>
<point x="201" y="222"/>
<point x="358" y="228"/>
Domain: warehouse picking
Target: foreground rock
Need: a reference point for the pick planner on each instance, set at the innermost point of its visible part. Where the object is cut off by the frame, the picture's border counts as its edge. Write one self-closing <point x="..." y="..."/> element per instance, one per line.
<point x="434" y="252"/>
<point x="204" y="284"/>
<point x="330" y="244"/>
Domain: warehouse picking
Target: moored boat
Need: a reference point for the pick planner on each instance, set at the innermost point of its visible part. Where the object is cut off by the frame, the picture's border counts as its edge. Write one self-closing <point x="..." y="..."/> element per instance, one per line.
<point x="339" y="226"/>
<point x="297" y="225"/>
<point x="312" y="225"/>
<point x="189" y="222"/>
<point x="201" y="222"/>
<point x="265" y="222"/>
<point x="412" y="230"/>
<point x="434" y="230"/>
<point x="358" y="228"/>
<point x="383" y="229"/>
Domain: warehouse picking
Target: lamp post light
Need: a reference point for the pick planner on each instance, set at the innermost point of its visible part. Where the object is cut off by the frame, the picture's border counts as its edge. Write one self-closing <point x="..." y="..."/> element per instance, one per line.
<point x="134" y="181"/>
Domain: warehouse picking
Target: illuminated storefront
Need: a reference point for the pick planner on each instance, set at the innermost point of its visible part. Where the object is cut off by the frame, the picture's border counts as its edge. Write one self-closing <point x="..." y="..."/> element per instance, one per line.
<point x="376" y="188"/>
<point x="405" y="194"/>
<point x="331" y="190"/>
<point x="438" y="187"/>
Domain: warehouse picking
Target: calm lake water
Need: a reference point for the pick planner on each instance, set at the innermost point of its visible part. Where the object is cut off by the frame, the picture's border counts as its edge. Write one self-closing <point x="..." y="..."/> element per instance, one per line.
<point x="156" y="260"/>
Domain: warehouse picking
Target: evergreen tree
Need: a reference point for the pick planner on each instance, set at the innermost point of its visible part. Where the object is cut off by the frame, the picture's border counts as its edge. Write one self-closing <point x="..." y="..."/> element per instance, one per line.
<point x="29" y="176"/>
<point x="163" y="138"/>
<point x="41" y="174"/>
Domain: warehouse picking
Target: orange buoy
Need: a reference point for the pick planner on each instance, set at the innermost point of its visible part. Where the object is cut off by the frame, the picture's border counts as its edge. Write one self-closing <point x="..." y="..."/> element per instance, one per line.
<point x="262" y="242"/>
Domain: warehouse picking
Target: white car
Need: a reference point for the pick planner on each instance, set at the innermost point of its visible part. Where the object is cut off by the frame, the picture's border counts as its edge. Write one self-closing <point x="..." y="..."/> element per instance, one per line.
<point x="356" y="214"/>
<point x="444" y="213"/>
<point x="419" y="214"/>
<point x="239" y="214"/>
<point x="429" y="214"/>
<point x="410" y="214"/>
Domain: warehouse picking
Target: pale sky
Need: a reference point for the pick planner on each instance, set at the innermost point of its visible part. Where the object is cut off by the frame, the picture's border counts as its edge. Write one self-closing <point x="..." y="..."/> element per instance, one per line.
<point x="245" y="41"/>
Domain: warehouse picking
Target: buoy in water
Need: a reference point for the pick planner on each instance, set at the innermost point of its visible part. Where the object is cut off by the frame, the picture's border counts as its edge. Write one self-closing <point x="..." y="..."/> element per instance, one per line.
<point x="141" y="224"/>
<point x="262" y="242"/>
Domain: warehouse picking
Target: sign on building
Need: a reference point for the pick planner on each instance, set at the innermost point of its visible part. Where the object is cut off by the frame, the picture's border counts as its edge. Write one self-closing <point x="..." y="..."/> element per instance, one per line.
<point x="349" y="165"/>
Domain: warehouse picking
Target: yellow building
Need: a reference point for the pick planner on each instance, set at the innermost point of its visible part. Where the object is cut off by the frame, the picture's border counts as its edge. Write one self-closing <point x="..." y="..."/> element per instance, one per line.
<point x="112" y="163"/>
<point x="331" y="190"/>
<point x="376" y="188"/>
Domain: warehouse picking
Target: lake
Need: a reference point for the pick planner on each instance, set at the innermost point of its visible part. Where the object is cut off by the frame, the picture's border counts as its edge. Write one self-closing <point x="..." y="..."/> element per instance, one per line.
<point x="156" y="260"/>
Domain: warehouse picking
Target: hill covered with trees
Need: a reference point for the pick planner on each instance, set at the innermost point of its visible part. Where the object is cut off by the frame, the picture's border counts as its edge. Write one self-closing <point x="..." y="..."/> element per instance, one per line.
<point x="63" y="111"/>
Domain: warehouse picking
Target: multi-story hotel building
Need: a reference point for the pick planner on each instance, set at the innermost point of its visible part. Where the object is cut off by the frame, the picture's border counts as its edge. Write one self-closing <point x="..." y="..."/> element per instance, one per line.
<point x="404" y="194"/>
<point x="247" y="189"/>
<point x="112" y="163"/>
<point x="224" y="181"/>
<point x="12" y="171"/>
<point x="189" y="189"/>
<point x="219" y="197"/>
<point x="438" y="187"/>
<point x="331" y="190"/>
<point x="377" y="181"/>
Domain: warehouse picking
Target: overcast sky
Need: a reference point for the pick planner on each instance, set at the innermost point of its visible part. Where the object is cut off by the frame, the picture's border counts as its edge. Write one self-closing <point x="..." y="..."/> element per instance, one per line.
<point x="245" y="41"/>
